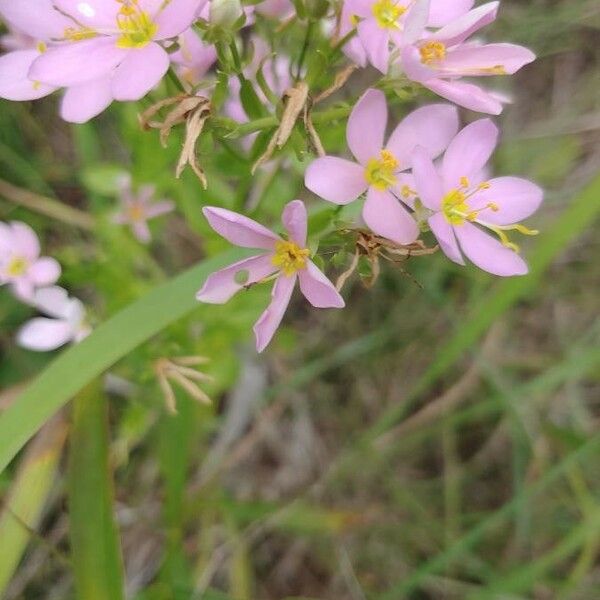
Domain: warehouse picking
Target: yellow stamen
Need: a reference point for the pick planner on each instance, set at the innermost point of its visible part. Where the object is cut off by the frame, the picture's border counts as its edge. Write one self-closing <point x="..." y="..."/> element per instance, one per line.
<point x="289" y="257"/>
<point x="136" y="26"/>
<point x="387" y="13"/>
<point x="381" y="172"/>
<point x="432" y="52"/>
<point x="136" y="212"/>
<point x="17" y="266"/>
<point x="41" y="47"/>
<point x="77" y="35"/>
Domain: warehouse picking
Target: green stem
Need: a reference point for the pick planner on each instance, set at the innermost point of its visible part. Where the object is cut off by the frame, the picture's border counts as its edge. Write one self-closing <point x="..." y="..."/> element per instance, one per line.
<point x="175" y="80"/>
<point x="305" y="46"/>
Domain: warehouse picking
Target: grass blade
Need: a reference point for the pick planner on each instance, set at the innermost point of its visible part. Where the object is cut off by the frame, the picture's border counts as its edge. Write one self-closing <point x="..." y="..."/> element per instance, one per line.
<point x="95" y="546"/>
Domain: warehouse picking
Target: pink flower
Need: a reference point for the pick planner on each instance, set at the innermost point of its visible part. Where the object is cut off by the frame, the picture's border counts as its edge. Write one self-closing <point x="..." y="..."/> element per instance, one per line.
<point x="285" y="259"/>
<point x="194" y="58"/>
<point x="110" y="50"/>
<point x="462" y="206"/>
<point x="440" y="60"/>
<point x="66" y="321"/>
<point x="20" y="262"/>
<point x="381" y="169"/>
<point x="442" y="12"/>
<point x="381" y="23"/>
<point x="138" y="209"/>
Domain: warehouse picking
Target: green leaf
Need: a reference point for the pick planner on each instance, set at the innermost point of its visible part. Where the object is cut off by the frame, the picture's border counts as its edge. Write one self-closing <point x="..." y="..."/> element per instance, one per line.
<point x="81" y="364"/>
<point x="28" y="495"/>
<point x="95" y="546"/>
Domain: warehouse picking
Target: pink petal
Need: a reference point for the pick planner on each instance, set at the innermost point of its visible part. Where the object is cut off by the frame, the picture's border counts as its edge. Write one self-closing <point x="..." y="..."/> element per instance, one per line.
<point x="442" y="12"/>
<point x="366" y="126"/>
<point x="239" y="230"/>
<point x="14" y="81"/>
<point x="53" y="301"/>
<point x="444" y="233"/>
<point x="91" y="13"/>
<point x="44" y="271"/>
<point x="482" y="60"/>
<point x="36" y="18"/>
<point x="516" y="199"/>
<point x="269" y="321"/>
<point x="468" y="95"/>
<point x="160" y="208"/>
<point x="336" y="179"/>
<point x="427" y="180"/>
<point x="141" y="232"/>
<point x="459" y="30"/>
<point x="317" y="289"/>
<point x="386" y="217"/>
<point x="376" y="43"/>
<point x="85" y="101"/>
<point x="25" y="240"/>
<point x="6" y="240"/>
<point x="294" y="219"/>
<point x="43" y="334"/>
<point x="414" y="68"/>
<point x="73" y="63"/>
<point x="23" y="289"/>
<point x="488" y="253"/>
<point x="469" y="152"/>
<point x="431" y="127"/>
<point x="221" y="286"/>
<point x="177" y="16"/>
<point x="415" y="22"/>
<point x="140" y="72"/>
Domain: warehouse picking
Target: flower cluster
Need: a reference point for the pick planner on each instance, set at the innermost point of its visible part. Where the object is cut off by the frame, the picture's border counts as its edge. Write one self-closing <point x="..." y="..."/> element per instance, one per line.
<point x="30" y="278"/>
<point x="428" y="176"/>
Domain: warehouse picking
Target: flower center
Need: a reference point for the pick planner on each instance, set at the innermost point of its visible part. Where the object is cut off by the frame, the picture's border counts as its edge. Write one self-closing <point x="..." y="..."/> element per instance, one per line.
<point x="17" y="267"/>
<point x="136" y="27"/>
<point x="381" y="172"/>
<point x="387" y="13"/>
<point x="457" y="212"/>
<point x="289" y="257"/>
<point x="136" y="212"/>
<point x="432" y="52"/>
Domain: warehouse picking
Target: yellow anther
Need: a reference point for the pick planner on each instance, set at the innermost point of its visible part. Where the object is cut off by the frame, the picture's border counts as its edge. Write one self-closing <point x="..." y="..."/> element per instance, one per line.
<point x="289" y="257"/>
<point x="407" y="192"/>
<point x="136" y="27"/>
<point x="17" y="266"/>
<point x="432" y="52"/>
<point x="355" y="20"/>
<point x="41" y="47"/>
<point x="464" y="182"/>
<point x="136" y="212"/>
<point x="77" y="35"/>
<point x="486" y="185"/>
<point x="387" y="13"/>
<point x="381" y="172"/>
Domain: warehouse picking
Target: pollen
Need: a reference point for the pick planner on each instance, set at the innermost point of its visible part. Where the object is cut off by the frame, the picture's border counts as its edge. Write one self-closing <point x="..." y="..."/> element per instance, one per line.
<point x="381" y="172"/>
<point x="432" y="52"/>
<point x="16" y="267"/>
<point x="387" y="13"/>
<point x="136" y="212"/>
<point x="77" y="35"/>
<point x="289" y="257"/>
<point x="136" y="27"/>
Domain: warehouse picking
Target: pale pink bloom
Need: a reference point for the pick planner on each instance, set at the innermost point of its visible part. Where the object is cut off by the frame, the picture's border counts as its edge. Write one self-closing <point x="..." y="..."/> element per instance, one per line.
<point x="112" y="50"/>
<point x="65" y="321"/>
<point x="32" y="24"/>
<point x="284" y="259"/>
<point x="20" y="263"/>
<point x="380" y="25"/>
<point x="462" y="206"/>
<point x="138" y="208"/>
<point x="442" y="59"/>
<point x="442" y="12"/>
<point x="381" y="168"/>
<point x="194" y="58"/>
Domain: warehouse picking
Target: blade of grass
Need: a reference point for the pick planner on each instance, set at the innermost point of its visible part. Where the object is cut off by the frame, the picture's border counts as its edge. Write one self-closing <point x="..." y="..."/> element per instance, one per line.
<point x="79" y="365"/>
<point x="28" y="495"/>
<point x="95" y="545"/>
<point x="473" y="537"/>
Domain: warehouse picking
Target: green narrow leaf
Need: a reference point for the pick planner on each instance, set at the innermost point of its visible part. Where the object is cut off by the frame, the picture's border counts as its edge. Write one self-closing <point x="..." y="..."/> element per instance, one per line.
<point x="95" y="546"/>
<point x="28" y="495"/>
<point x="77" y="366"/>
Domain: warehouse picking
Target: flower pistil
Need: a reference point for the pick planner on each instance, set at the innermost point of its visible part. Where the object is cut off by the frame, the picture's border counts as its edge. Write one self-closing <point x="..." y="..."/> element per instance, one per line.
<point x="289" y="257"/>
